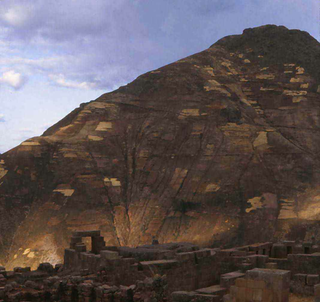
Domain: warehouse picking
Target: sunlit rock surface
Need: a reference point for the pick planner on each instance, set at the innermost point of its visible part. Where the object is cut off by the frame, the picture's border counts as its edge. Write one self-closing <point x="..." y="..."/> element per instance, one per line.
<point x="220" y="147"/>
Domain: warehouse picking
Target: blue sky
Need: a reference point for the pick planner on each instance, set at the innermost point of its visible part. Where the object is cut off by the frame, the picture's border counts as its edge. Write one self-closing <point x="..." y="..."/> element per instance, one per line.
<point x="56" y="54"/>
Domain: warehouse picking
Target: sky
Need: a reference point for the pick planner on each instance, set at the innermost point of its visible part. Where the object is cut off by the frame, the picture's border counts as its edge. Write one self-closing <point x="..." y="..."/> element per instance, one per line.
<point x="57" y="54"/>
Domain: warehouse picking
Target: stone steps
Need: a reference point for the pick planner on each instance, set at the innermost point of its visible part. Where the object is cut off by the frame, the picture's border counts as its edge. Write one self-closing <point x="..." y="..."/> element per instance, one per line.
<point x="213" y="290"/>
<point x="229" y="279"/>
<point x="183" y="296"/>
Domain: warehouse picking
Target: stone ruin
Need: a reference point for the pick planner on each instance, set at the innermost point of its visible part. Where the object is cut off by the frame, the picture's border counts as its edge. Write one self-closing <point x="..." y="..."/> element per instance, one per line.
<point x="177" y="272"/>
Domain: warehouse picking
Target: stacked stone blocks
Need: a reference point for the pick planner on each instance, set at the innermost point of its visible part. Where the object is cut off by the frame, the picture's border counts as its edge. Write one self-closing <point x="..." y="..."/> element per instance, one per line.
<point x="261" y="285"/>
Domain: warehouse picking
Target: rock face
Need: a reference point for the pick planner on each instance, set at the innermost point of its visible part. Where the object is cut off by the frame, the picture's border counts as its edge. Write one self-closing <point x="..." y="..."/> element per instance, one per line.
<point x="220" y="147"/>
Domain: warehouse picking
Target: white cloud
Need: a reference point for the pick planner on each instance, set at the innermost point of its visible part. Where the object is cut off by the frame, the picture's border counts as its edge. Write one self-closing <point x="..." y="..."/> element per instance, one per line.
<point x="14" y="79"/>
<point x="2" y="118"/>
<point x="61" y="81"/>
<point x="94" y="45"/>
<point x="16" y="15"/>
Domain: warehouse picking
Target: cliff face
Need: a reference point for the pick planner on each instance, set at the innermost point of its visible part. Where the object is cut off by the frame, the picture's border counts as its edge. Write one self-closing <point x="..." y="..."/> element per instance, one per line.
<point x="220" y="147"/>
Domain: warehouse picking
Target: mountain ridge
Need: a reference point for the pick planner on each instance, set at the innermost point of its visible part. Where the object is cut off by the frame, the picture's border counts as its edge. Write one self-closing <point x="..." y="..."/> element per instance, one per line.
<point x="217" y="148"/>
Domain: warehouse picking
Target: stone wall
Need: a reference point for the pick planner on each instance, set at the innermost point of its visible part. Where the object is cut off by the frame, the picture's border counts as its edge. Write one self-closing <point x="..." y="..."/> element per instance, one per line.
<point x="304" y="264"/>
<point x="304" y="284"/>
<point x="188" y="271"/>
<point x="262" y="285"/>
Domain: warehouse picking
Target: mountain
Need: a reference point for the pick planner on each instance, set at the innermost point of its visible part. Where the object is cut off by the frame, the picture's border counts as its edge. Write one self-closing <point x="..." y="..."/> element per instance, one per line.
<point x="219" y="148"/>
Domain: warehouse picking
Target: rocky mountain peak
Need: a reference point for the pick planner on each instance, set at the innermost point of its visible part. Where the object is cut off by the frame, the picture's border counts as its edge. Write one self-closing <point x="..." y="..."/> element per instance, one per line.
<point x="218" y="148"/>
<point x="278" y="45"/>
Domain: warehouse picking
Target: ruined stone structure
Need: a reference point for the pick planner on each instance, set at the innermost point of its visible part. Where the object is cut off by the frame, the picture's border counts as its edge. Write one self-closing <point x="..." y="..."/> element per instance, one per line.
<point x="219" y="149"/>
<point x="261" y="285"/>
<point x="97" y="241"/>
<point x="177" y="272"/>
